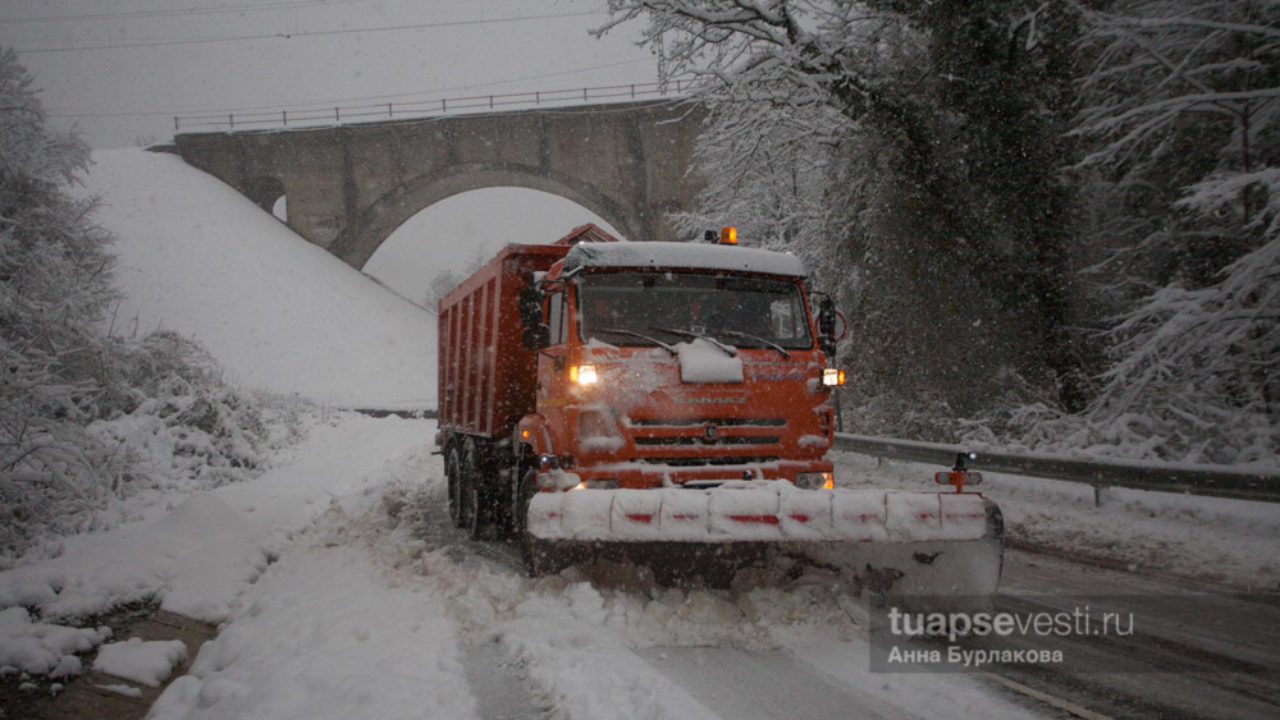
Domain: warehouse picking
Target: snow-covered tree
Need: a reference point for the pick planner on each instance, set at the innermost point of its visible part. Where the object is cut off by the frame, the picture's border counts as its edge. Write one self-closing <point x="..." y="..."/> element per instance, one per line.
<point x="83" y="413"/>
<point x="1181" y="111"/>
<point x="1182" y="96"/>
<point x="1197" y="375"/>
<point x="54" y="289"/>
<point x="911" y="150"/>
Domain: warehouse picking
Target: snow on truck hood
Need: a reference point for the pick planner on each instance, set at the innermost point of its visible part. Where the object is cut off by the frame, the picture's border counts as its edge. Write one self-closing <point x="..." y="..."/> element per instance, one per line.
<point x="679" y="255"/>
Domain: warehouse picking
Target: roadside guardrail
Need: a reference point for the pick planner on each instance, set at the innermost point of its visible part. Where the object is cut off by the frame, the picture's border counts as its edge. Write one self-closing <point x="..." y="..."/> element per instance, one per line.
<point x="1208" y="480"/>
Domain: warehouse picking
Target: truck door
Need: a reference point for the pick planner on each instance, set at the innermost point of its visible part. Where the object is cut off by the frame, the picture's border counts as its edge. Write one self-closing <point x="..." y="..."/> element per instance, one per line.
<point x="552" y="388"/>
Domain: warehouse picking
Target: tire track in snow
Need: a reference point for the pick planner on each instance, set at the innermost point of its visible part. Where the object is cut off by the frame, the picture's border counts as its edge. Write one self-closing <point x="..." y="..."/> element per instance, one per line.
<point x="501" y="685"/>
<point x="740" y="683"/>
<point x="425" y="542"/>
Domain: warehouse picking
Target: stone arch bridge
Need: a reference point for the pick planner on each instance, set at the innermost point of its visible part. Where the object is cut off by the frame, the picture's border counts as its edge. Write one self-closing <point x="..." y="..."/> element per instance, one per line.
<point x="349" y="187"/>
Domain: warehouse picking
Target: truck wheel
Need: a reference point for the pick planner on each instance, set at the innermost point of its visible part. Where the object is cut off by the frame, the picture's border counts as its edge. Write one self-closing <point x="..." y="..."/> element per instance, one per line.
<point x="540" y="557"/>
<point x="472" y="497"/>
<point x="520" y="520"/>
<point x="453" y="473"/>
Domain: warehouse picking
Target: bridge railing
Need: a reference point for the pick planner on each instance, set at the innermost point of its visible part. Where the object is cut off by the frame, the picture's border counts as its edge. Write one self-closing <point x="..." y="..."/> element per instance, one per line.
<point x="1210" y="480"/>
<point x="344" y="114"/>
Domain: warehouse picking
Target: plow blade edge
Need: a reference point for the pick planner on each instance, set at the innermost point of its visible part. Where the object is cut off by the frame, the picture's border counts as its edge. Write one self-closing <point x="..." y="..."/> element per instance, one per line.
<point x="884" y="541"/>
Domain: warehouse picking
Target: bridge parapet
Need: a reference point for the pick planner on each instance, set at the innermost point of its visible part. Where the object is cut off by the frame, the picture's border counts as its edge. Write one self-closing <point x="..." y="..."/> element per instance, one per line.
<point x="377" y="112"/>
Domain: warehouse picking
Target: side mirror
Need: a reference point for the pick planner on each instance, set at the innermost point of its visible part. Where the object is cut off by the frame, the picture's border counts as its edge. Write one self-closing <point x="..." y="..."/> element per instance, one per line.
<point x="537" y="337"/>
<point x="826" y="317"/>
<point x="530" y="307"/>
<point x="827" y="327"/>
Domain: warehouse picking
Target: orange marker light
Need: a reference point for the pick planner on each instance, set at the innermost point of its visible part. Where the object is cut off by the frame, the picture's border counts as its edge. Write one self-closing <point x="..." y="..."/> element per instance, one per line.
<point x="583" y="374"/>
<point x="728" y="235"/>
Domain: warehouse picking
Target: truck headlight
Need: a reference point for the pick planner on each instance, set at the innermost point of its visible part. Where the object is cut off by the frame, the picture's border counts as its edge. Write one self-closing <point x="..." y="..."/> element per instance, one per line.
<point x="832" y="377"/>
<point x="816" y="480"/>
<point x="583" y="375"/>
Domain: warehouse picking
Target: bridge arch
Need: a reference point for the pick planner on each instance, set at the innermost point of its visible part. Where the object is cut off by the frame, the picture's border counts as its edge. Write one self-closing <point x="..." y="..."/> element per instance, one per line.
<point x="381" y="218"/>
<point x="349" y="187"/>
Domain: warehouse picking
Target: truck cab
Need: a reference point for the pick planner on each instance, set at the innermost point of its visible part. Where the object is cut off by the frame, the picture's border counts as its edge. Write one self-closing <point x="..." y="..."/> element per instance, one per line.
<point x="676" y="364"/>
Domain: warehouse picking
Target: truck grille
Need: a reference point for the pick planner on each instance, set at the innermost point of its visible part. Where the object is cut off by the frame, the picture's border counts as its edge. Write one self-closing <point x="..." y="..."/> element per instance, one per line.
<point x="701" y="441"/>
<point x="670" y="437"/>
<point x="709" y="461"/>
<point x="699" y="422"/>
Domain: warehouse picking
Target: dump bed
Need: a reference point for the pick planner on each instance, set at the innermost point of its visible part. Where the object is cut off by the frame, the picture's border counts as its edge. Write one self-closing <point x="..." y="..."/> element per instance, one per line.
<point x="486" y="376"/>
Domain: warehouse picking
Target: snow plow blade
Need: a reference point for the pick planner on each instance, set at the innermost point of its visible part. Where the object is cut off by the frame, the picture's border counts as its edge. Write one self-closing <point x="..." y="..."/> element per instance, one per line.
<point x="883" y="542"/>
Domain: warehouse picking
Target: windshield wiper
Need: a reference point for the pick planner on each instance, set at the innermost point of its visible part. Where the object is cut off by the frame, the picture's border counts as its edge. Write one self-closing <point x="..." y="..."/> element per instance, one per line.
<point x="642" y="336"/>
<point x="729" y="350"/>
<point x="757" y="338"/>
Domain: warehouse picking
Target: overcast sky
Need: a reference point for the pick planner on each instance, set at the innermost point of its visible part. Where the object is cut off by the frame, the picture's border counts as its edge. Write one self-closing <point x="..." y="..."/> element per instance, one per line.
<point x="120" y="71"/>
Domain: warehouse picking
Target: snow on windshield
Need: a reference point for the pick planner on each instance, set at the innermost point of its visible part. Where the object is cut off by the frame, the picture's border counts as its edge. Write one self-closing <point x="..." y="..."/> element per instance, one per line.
<point x="676" y="255"/>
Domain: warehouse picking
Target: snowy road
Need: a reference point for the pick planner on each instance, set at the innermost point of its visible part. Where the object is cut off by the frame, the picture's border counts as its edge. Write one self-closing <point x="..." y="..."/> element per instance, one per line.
<point x="380" y="608"/>
<point x="1196" y="651"/>
<point x="1173" y="667"/>
<point x="342" y="591"/>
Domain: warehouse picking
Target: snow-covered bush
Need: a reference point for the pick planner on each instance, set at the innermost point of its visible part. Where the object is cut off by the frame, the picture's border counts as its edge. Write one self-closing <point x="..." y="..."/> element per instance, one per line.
<point x="87" y="418"/>
<point x="187" y="426"/>
<point x="1197" y="375"/>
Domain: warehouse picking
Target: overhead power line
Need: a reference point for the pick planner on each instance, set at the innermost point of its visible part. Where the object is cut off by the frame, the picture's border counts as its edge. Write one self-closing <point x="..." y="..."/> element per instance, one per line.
<point x="306" y="34"/>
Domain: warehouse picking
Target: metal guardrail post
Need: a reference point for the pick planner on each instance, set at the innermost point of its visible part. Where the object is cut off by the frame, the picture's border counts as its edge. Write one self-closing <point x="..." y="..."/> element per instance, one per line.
<point x="1211" y="481"/>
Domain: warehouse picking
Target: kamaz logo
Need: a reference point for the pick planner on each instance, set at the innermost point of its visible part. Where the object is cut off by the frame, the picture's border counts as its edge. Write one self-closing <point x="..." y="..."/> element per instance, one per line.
<point x="741" y="400"/>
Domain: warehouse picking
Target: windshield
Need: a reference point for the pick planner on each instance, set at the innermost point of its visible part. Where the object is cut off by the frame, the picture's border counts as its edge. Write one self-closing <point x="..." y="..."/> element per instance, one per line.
<point x="638" y="308"/>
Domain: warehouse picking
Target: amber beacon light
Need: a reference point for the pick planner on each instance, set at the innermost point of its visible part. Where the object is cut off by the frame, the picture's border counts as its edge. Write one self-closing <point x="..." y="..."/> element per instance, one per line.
<point x="728" y="235"/>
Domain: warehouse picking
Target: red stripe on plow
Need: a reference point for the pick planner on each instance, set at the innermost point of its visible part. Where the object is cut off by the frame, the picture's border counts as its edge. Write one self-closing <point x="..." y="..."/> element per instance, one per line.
<point x="762" y="519"/>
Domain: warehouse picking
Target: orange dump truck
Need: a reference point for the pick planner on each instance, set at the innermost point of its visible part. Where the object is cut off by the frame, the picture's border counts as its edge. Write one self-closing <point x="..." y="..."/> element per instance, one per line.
<point x="669" y="404"/>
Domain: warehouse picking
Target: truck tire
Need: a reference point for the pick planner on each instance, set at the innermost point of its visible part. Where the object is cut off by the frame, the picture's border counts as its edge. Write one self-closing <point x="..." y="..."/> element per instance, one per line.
<point x="453" y="474"/>
<point x="471" y="495"/>
<point x="511" y="508"/>
<point x="524" y="491"/>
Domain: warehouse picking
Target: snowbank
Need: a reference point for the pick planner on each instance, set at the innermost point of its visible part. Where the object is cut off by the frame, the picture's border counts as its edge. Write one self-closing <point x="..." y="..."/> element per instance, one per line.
<point x="37" y="647"/>
<point x="197" y="557"/>
<point x="315" y="640"/>
<point x="277" y="312"/>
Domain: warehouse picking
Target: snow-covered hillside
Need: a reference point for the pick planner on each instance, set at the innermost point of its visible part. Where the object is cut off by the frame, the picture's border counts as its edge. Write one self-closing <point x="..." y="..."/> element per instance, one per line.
<point x="278" y="313"/>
